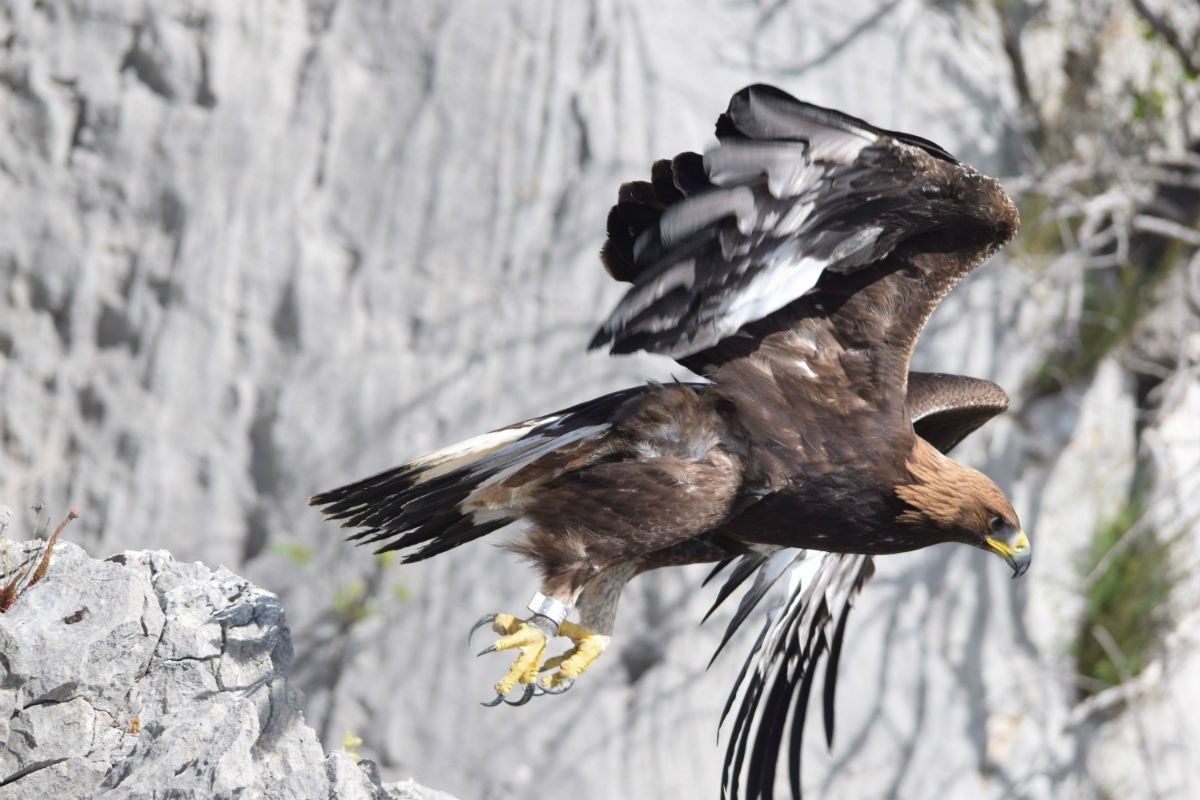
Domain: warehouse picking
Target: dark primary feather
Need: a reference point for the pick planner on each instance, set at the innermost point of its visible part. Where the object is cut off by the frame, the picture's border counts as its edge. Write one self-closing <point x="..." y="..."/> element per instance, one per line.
<point x="725" y="251"/>
<point x="746" y="565"/>
<point x="794" y="202"/>
<point x="769" y="112"/>
<point x="777" y="676"/>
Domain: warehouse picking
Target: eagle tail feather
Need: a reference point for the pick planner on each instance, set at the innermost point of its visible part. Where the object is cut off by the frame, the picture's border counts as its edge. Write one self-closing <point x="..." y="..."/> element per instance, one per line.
<point x="779" y="672"/>
<point x="717" y="569"/>
<point x="767" y="570"/>
<point x="747" y="565"/>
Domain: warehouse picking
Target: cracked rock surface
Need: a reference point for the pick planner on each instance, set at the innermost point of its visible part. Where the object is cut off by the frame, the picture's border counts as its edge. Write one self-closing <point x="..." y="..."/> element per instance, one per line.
<point x="142" y="676"/>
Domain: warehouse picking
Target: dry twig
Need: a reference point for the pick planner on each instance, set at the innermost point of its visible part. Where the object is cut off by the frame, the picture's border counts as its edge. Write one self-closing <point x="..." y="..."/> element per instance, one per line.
<point x="12" y="591"/>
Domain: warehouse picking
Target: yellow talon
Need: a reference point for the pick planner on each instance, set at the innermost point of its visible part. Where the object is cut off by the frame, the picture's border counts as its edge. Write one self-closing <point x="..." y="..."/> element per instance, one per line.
<point x="574" y="662"/>
<point x="505" y="624"/>
<point x="530" y="639"/>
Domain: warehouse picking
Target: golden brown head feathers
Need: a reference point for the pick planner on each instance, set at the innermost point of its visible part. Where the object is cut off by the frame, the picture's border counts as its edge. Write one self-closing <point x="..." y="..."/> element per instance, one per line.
<point x="952" y="501"/>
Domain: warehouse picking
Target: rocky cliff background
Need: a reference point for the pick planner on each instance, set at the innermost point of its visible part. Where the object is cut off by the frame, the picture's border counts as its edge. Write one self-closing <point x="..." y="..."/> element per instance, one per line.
<point x="249" y="250"/>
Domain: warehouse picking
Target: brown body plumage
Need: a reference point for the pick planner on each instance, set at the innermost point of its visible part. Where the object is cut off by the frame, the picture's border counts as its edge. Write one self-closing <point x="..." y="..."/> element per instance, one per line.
<point x="793" y="267"/>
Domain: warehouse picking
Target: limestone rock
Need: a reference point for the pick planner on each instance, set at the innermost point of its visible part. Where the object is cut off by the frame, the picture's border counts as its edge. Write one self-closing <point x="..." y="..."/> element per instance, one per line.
<point x="143" y="676"/>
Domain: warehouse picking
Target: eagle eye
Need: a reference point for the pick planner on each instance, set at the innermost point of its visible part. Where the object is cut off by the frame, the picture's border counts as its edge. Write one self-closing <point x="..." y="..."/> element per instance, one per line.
<point x="997" y="523"/>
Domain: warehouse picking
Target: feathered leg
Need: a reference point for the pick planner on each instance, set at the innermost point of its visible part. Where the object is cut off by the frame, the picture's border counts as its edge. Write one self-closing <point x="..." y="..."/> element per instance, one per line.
<point x="597" y="605"/>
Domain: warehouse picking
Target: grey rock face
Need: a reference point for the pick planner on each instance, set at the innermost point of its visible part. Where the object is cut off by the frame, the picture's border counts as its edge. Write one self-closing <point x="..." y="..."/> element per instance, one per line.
<point x="140" y="676"/>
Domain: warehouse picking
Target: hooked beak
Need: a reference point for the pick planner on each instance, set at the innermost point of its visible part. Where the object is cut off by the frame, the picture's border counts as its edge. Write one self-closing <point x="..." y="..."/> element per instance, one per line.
<point x="1015" y="550"/>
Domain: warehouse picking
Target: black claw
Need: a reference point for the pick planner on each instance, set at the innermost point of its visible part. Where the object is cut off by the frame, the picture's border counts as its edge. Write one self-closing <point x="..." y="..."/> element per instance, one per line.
<point x="526" y="696"/>
<point x="567" y="684"/>
<point x="486" y="619"/>
<point x="491" y="648"/>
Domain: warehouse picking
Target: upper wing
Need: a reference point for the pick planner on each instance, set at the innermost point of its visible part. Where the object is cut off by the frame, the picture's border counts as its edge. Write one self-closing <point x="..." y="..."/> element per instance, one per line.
<point x="778" y="675"/>
<point x="945" y="409"/>
<point x="796" y="202"/>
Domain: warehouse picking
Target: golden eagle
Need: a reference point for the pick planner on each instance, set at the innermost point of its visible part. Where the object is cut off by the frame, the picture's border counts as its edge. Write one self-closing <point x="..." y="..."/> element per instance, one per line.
<point x="793" y="267"/>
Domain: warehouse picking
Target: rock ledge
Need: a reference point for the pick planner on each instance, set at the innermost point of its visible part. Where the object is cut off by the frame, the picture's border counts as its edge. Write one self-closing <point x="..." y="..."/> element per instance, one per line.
<point x="141" y="676"/>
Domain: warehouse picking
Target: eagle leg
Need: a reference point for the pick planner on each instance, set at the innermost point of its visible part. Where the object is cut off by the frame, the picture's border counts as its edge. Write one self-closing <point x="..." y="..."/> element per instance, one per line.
<point x="596" y="602"/>
<point x="529" y="636"/>
<point x="597" y="606"/>
<point x="573" y="663"/>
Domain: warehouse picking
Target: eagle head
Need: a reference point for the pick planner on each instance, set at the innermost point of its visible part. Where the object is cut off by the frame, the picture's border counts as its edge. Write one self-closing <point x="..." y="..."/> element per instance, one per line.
<point x="952" y="502"/>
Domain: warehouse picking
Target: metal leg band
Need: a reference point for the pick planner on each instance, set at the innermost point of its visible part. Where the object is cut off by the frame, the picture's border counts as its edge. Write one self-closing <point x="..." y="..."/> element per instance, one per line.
<point x="548" y="607"/>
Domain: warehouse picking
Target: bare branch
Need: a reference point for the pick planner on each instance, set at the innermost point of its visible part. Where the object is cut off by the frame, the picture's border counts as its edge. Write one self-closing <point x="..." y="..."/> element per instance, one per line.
<point x="1170" y="36"/>
<point x="1013" y="19"/>
<point x="1147" y="223"/>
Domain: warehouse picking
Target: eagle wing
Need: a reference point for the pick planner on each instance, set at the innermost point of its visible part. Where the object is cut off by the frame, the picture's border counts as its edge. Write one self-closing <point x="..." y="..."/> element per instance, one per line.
<point x="778" y="675"/>
<point x="796" y="203"/>
<point x="945" y="409"/>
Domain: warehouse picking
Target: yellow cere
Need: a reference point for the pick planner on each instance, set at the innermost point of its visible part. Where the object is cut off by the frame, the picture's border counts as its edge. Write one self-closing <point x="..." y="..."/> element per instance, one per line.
<point x="1005" y="549"/>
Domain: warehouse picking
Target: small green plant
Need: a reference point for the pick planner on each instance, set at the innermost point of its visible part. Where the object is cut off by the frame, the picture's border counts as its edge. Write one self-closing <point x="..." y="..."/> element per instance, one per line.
<point x="1041" y="231"/>
<point x="351" y="603"/>
<point x="1129" y="575"/>
<point x="298" y="554"/>
<point x="1150" y="105"/>
<point x="350" y="743"/>
<point x="1114" y="300"/>
<point x="400" y="592"/>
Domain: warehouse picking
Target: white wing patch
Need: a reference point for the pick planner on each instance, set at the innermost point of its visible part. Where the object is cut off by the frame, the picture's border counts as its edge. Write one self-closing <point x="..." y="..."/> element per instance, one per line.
<point x="682" y="275"/>
<point x="460" y="454"/>
<point x="483" y="503"/>
<point x="700" y="211"/>
<point x="522" y="453"/>
<point x="786" y="274"/>
<point x="790" y="223"/>
<point x="855" y="243"/>
<point x="839" y="147"/>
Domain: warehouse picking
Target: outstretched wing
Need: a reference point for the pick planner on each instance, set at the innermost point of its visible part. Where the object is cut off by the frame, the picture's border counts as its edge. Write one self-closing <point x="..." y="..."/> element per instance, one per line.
<point x="779" y="672"/>
<point x="797" y="209"/>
